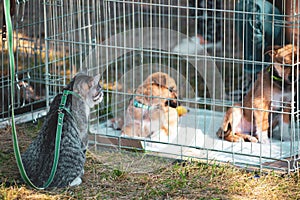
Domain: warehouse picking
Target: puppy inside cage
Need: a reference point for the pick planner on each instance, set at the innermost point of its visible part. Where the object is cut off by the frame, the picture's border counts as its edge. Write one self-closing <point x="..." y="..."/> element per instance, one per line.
<point x="272" y="95"/>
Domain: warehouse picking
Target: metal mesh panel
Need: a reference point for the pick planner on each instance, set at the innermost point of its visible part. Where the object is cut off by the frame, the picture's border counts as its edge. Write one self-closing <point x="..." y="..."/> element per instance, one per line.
<point x="29" y="48"/>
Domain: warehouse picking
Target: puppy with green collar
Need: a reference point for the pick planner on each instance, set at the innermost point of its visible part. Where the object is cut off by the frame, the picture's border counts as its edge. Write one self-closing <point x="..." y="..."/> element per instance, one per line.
<point x="153" y="108"/>
<point x="252" y="120"/>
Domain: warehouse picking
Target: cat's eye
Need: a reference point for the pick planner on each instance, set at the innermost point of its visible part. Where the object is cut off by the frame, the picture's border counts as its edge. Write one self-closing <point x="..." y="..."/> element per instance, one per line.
<point x="99" y="86"/>
<point x="90" y="83"/>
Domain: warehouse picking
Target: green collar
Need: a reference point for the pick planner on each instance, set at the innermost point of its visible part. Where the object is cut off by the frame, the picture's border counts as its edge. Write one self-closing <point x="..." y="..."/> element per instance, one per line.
<point x="275" y="78"/>
<point x="140" y="105"/>
<point x="63" y="101"/>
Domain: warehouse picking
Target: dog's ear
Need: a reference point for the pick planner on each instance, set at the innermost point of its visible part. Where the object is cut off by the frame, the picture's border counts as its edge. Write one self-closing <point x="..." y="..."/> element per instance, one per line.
<point x="289" y="54"/>
<point x="226" y="126"/>
<point x="272" y="50"/>
<point x="224" y="131"/>
<point x="285" y="55"/>
<point x="156" y="78"/>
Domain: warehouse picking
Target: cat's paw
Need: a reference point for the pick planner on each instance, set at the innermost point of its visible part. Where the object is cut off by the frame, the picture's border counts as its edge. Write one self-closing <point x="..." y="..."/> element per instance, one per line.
<point x="77" y="181"/>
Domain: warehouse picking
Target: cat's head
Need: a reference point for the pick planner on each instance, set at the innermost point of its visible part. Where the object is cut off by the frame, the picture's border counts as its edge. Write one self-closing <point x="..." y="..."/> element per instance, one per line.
<point x="88" y="88"/>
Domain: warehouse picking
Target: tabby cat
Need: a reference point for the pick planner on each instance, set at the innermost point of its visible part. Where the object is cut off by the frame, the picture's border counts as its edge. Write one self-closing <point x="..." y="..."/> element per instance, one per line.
<point x="38" y="158"/>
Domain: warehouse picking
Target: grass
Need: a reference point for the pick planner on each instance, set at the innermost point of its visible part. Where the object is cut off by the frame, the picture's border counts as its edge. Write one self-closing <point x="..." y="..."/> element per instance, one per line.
<point x="111" y="174"/>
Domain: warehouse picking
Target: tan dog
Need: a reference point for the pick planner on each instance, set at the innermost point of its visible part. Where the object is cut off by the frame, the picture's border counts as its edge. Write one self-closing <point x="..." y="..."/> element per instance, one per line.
<point x="250" y="121"/>
<point x="153" y="108"/>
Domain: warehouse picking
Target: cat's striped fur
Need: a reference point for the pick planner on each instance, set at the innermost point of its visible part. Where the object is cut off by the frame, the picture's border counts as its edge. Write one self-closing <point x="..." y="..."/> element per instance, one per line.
<point x="38" y="158"/>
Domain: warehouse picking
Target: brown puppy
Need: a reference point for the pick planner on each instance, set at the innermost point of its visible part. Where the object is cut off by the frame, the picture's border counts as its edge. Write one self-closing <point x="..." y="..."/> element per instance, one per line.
<point x="272" y="91"/>
<point x="153" y="108"/>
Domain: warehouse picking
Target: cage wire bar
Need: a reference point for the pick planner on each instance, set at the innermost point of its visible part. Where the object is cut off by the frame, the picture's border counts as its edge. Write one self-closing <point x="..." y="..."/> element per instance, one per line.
<point x="197" y="43"/>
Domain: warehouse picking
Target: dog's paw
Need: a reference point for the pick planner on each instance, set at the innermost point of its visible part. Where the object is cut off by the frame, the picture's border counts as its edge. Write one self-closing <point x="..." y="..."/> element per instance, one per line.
<point x="263" y="137"/>
<point x="234" y="138"/>
<point x="115" y="123"/>
<point x="265" y="141"/>
<point x="253" y="139"/>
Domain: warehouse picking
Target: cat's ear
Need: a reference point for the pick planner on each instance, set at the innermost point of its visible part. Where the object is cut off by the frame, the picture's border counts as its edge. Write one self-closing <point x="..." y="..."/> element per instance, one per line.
<point x="84" y="70"/>
<point x="96" y="79"/>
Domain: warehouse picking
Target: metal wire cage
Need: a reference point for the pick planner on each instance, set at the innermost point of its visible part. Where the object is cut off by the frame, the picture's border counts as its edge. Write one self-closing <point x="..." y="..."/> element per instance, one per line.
<point x="214" y="51"/>
<point x="30" y="53"/>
